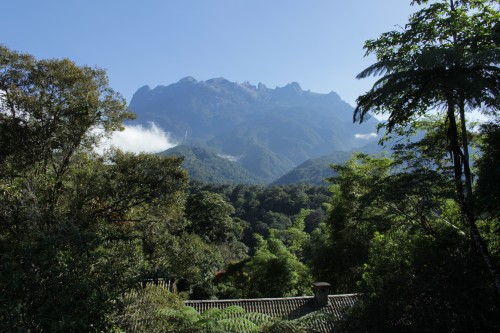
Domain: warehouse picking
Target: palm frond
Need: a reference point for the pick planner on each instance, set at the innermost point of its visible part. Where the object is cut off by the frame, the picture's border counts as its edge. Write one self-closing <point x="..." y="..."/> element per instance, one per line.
<point x="378" y="68"/>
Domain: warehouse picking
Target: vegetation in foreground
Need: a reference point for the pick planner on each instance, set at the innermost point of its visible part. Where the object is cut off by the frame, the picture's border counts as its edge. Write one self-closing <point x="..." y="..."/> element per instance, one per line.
<point x="155" y="309"/>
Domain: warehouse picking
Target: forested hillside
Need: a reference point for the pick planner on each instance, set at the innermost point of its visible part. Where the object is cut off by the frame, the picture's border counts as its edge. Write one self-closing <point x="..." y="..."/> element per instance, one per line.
<point x="206" y="165"/>
<point x="115" y="242"/>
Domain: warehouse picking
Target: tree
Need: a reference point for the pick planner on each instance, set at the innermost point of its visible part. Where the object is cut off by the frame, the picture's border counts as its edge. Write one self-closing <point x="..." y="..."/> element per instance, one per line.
<point x="395" y="235"/>
<point x="210" y="217"/>
<point x="55" y="104"/>
<point x="446" y="57"/>
<point x="77" y="229"/>
<point x="414" y="281"/>
<point x="194" y="263"/>
<point x="273" y="271"/>
<point x="64" y="267"/>
<point x="355" y="212"/>
<point x="295" y="238"/>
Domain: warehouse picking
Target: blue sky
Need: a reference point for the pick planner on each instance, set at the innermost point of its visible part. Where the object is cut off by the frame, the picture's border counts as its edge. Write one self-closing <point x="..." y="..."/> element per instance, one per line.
<point x="317" y="43"/>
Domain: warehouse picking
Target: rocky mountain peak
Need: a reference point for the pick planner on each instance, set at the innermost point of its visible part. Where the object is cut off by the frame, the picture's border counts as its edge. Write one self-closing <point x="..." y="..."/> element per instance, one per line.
<point x="272" y="129"/>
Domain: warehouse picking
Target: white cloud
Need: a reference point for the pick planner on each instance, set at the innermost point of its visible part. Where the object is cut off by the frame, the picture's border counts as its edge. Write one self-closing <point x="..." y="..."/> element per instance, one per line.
<point x="230" y="158"/>
<point x="368" y="136"/>
<point x="137" y="139"/>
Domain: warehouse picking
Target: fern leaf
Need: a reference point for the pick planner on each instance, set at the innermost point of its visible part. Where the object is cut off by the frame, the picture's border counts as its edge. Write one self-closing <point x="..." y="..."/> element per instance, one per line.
<point x="258" y="318"/>
<point x="238" y="325"/>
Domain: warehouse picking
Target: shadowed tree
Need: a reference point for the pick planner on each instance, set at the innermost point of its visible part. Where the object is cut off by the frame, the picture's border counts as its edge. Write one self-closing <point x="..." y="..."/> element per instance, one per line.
<point x="446" y="58"/>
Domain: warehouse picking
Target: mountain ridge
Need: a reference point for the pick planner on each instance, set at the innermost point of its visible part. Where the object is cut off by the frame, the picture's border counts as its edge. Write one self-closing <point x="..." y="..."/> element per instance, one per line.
<point x="273" y="130"/>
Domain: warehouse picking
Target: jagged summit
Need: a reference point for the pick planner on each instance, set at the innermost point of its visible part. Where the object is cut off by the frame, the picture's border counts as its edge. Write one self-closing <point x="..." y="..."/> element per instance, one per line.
<point x="188" y="79"/>
<point x="293" y="86"/>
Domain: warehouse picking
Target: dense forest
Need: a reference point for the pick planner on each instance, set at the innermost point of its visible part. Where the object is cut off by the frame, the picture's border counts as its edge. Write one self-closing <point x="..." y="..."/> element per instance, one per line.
<point x="416" y="232"/>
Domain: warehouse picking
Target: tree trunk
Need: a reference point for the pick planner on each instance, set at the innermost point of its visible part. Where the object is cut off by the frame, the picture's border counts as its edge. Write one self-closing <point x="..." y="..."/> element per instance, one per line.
<point x="468" y="213"/>
<point x="466" y="161"/>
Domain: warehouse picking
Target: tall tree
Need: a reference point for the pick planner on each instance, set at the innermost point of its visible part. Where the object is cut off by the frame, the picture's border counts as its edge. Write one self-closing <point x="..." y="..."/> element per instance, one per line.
<point x="446" y="58"/>
<point x="76" y="229"/>
<point x="54" y="104"/>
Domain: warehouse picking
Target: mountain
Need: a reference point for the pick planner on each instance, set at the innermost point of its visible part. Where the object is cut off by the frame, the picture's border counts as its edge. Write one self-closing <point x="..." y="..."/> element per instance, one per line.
<point x="208" y="166"/>
<point x="314" y="171"/>
<point x="270" y="130"/>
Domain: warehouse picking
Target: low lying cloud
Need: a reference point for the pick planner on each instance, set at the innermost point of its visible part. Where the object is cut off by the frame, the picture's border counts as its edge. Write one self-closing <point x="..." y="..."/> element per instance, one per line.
<point x="368" y="136"/>
<point x="139" y="139"/>
<point x="230" y="158"/>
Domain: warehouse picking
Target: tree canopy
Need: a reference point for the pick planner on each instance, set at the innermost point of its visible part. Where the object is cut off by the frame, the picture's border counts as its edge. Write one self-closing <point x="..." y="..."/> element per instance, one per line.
<point x="77" y="229"/>
<point x="446" y="57"/>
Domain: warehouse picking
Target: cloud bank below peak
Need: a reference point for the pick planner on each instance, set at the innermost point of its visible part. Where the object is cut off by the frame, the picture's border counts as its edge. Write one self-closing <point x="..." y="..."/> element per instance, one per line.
<point x="367" y="136"/>
<point x="139" y="139"/>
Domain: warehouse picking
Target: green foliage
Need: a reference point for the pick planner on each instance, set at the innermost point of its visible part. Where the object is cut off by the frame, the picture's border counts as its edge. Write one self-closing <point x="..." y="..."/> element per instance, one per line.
<point x="312" y="322"/>
<point x="232" y="311"/>
<point x="53" y="103"/>
<point x="295" y="238"/>
<point x="239" y="325"/>
<point x="399" y="238"/>
<point x="445" y="53"/>
<point x="274" y="207"/>
<point x="423" y="283"/>
<point x="77" y="229"/>
<point x="270" y="212"/>
<point x="259" y="319"/>
<point x="70" y="247"/>
<point x="488" y="171"/>
<point x="487" y="191"/>
<point x="205" y="165"/>
<point x="210" y="217"/>
<point x="446" y="58"/>
<point x="273" y="271"/>
<point x="340" y="247"/>
<point x="192" y="261"/>
<point x="154" y="309"/>
<point x="211" y="222"/>
<point x="55" y="256"/>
